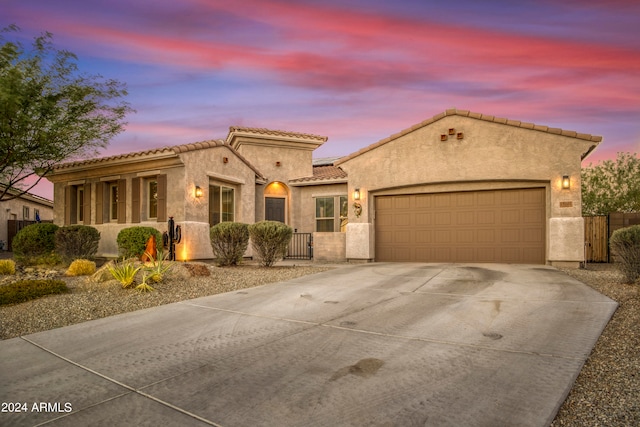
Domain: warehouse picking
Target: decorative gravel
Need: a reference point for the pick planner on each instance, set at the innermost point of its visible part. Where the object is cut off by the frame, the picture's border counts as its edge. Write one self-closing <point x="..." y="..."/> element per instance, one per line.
<point x="91" y="299"/>
<point x="607" y="391"/>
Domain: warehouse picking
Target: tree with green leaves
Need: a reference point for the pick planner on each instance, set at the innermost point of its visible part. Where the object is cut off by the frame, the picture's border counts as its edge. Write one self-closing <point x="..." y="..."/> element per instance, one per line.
<point x="612" y="186"/>
<point x="50" y="112"/>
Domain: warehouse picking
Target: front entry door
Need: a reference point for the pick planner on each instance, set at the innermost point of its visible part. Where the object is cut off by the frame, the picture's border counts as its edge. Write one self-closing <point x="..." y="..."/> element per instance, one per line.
<point x="274" y="209"/>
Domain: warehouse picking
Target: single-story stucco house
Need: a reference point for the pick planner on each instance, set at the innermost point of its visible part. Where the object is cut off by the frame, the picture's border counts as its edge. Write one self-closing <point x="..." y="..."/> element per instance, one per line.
<point x="458" y="187"/>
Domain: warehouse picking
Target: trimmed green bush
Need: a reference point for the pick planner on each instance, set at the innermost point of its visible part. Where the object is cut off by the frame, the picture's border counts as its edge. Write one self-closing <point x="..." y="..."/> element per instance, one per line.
<point x="625" y="245"/>
<point x="81" y="267"/>
<point x="35" y="244"/>
<point x="26" y="290"/>
<point x="270" y="240"/>
<point x="7" y="267"/>
<point x="229" y="241"/>
<point x="77" y="241"/>
<point x="132" y="241"/>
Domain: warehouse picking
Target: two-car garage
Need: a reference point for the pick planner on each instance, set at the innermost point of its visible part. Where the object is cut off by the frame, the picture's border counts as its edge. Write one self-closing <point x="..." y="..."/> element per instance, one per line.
<point x="505" y="225"/>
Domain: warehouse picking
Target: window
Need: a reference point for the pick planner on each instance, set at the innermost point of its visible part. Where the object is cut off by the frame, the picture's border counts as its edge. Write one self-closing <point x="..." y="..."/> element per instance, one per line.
<point x="25" y="212"/>
<point x="152" y="198"/>
<point x="327" y="217"/>
<point x="221" y="204"/>
<point x="79" y="205"/>
<point x="113" y="201"/>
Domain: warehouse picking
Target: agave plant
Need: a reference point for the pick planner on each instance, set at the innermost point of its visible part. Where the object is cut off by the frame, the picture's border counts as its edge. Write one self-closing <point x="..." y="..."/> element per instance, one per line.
<point x="124" y="272"/>
<point x="158" y="269"/>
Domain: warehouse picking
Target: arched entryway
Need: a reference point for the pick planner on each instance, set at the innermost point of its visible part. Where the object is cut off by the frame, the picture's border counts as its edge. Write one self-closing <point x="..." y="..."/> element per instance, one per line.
<point x="276" y="201"/>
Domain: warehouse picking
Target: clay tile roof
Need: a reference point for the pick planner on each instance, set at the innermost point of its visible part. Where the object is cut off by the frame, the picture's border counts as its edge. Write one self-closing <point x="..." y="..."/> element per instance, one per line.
<point x="323" y="173"/>
<point x="175" y="150"/>
<point x="478" y="116"/>
<point x="281" y="133"/>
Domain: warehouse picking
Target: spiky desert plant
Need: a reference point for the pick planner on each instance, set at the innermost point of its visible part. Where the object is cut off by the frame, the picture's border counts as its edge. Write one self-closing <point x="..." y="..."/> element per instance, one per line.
<point x="144" y="286"/>
<point x="158" y="268"/>
<point x="125" y="272"/>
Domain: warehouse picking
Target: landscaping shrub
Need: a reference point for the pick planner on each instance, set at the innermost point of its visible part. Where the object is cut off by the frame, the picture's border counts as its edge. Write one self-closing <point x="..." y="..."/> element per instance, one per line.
<point x="77" y="241"/>
<point x="270" y="240"/>
<point x="81" y="267"/>
<point x="35" y="244"/>
<point x="132" y="241"/>
<point x="7" y="266"/>
<point x="229" y="241"/>
<point x="26" y="290"/>
<point x="625" y="245"/>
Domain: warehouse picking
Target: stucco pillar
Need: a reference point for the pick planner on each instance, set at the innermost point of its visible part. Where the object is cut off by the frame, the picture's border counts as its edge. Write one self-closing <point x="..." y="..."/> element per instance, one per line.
<point x="566" y="241"/>
<point x="360" y="241"/>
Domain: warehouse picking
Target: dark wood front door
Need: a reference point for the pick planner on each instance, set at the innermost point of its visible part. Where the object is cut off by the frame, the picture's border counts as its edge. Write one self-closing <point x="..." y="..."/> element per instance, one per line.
<point x="274" y="209"/>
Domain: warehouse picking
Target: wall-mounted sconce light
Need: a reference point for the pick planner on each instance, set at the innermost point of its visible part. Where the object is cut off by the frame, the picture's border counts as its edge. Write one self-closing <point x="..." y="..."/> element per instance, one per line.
<point x="452" y="131"/>
<point x="278" y="164"/>
<point x="460" y="135"/>
<point x="566" y="182"/>
<point x="225" y="160"/>
<point x="198" y="192"/>
<point x="356" y="194"/>
<point x="443" y="137"/>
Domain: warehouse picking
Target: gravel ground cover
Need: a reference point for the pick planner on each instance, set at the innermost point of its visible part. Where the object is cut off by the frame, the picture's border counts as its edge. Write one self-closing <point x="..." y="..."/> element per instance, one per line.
<point x="89" y="299"/>
<point x="607" y="391"/>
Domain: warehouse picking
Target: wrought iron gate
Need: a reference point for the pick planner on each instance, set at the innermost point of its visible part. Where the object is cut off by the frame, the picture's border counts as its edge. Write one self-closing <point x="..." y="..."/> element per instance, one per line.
<point x="301" y="246"/>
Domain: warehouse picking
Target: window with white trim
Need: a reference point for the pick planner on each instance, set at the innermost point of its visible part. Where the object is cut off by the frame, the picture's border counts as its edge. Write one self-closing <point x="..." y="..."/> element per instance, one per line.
<point x="331" y="214"/>
<point x="221" y="204"/>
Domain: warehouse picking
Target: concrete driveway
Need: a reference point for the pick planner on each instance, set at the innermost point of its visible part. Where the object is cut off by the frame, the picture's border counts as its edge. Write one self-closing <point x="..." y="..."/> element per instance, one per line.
<point x="369" y="345"/>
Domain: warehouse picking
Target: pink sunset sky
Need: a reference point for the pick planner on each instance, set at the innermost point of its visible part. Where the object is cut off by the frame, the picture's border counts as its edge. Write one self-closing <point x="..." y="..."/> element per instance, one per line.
<point x="356" y="71"/>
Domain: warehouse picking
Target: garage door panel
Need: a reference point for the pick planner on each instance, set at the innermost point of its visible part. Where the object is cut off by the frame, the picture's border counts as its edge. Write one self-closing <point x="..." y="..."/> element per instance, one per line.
<point x="442" y="218"/>
<point x="424" y="236"/>
<point x="465" y="236"/>
<point x="486" y="236"/>
<point x="475" y="226"/>
<point x="465" y="218"/>
<point x="402" y="202"/>
<point x="402" y="220"/>
<point x="423" y="219"/>
<point x="442" y="237"/>
<point x="486" y="217"/>
<point x="510" y="216"/>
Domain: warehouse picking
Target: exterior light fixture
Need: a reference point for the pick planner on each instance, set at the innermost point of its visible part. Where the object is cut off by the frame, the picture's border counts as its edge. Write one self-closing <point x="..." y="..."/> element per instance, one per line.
<point x="356" y="194"/>
<point x="566" y="182"/>
<point x="198" y="192"/>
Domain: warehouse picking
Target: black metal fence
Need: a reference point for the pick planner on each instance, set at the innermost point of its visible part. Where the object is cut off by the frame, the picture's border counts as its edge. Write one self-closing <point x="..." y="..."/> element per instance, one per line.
<point x="301" y="246"/>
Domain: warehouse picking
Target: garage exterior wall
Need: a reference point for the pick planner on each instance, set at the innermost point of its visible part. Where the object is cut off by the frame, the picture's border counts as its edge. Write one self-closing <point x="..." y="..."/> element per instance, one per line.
<point x="488" y="155"/>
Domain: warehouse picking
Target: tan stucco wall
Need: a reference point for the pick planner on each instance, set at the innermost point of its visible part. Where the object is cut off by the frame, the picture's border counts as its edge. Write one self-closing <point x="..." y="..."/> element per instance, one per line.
<point x="490" y="156"/>
<point x="329" y="247"/>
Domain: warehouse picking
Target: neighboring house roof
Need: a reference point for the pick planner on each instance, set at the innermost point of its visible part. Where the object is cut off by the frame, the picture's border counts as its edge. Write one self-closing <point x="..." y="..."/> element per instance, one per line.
<point x="328" y="174"/>
<point x="28" y="196"/>
<point x="168" y="151"/>
<point x="478" y="116"/>
<point x="276" y="133"/>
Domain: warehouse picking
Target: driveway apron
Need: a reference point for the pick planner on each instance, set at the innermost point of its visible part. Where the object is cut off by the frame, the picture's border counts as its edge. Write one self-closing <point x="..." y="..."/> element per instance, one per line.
<point x="376" y="344"/>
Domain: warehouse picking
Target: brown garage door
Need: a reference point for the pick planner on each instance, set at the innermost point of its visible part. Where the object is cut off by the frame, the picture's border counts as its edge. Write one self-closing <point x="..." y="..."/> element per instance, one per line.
<point x="472" y="226"/>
